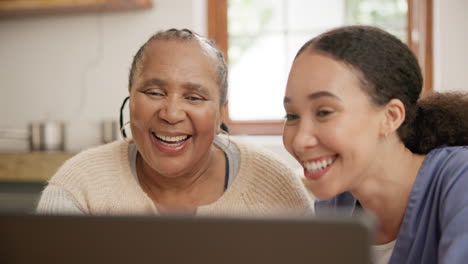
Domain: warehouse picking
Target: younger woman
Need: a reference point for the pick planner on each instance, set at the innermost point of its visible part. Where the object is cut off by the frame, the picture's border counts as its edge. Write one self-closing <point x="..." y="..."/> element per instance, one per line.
<point x="357" y="124"/>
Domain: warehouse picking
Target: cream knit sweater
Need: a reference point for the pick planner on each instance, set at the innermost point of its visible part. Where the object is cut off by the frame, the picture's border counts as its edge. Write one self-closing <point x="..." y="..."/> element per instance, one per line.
<point x="101" y="182"/>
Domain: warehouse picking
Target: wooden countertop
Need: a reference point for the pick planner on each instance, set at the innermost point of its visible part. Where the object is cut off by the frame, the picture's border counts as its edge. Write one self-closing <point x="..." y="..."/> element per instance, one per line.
<point x="31" y="166"/>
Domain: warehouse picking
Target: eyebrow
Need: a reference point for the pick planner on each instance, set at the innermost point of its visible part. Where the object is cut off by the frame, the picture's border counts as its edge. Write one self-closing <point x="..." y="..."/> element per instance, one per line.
<point x="314" y="96"/>
<point x="196" y="88"/>
<point x="154" y="82"/>
<point x="188" y="86"/>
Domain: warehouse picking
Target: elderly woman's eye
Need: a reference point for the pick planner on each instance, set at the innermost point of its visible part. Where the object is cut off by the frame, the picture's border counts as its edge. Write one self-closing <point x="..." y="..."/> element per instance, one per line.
<point x="154" y="93"/>
<point x="194" y="98"/>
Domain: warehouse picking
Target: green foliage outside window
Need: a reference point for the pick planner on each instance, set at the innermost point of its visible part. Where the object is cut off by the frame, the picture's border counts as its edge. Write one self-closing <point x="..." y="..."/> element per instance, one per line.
<point x="390" y="15"/>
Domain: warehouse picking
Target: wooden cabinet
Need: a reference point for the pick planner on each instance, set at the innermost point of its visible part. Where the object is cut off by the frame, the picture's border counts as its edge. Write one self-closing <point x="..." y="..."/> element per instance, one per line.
<point x="12" y="8"/>
<point x="30" y="166"/>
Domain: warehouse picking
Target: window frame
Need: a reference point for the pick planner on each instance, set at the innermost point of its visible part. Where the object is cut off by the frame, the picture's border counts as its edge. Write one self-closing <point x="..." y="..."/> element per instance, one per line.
<point x="419" y="40"/>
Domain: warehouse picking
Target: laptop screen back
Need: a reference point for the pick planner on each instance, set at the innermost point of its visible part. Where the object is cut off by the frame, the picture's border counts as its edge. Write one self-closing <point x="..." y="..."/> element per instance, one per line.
<point x="105" y="239"/>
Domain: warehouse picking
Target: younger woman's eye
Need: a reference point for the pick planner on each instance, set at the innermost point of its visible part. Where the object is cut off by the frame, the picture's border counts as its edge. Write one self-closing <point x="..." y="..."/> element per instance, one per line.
<point x="290" y="117"/>
<point x="324" y="113"/>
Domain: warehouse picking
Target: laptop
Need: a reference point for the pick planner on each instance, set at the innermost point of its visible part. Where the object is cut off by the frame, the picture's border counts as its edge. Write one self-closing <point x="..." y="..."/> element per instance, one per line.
<point x="162" y="239"/>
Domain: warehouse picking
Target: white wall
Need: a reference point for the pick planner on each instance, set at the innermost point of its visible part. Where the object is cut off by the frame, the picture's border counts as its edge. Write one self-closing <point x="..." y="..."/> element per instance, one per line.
<point x="450" y="45"/>
<point x="74" y="68"/>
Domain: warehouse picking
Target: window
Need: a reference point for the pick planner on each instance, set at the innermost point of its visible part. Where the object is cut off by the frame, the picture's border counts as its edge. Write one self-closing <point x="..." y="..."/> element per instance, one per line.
<point x="261" y="37"/>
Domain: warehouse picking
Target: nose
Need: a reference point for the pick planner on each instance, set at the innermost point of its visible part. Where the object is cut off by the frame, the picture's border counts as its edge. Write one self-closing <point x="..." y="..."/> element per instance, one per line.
<point x="172" y="111"/>
<point x="305" y="139"/>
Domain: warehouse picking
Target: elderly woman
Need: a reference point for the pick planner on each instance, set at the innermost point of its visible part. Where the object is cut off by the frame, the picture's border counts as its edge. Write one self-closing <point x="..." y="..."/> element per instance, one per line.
<point x="177" y="162"/>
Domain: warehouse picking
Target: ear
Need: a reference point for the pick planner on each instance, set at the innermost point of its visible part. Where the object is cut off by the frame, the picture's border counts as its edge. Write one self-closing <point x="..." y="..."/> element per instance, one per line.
<point x="394" y="115"/>
<point x="224" y="111"/>
<point x="223" y="115"/>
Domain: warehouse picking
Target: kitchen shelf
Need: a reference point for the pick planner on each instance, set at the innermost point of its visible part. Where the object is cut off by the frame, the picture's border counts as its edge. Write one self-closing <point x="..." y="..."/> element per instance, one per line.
<point x="15" y="8"/>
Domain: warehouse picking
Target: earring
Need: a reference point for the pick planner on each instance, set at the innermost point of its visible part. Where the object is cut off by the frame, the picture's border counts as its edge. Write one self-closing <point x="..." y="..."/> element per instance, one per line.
<point x="122" y="131"/>
<point x="223" y="129"/>
<point x="224" y="132"/>
<point x="227" y="135"/>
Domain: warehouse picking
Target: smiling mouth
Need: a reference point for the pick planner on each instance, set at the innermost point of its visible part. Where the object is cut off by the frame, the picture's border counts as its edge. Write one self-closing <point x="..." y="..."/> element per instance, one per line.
<point x="319" y="165"/>
<point x="171" y="141"/>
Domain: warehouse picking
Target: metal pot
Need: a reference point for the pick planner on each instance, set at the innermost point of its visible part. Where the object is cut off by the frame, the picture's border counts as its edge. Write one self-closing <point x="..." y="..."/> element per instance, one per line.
<point x="109" y="131"/>
<point x="47" y="136"/>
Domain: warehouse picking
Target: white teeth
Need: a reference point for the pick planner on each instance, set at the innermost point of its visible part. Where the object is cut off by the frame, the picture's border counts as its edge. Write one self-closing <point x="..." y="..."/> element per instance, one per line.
<point x="176" y="139"/>
<point x="316" y="166"/>
<point x="170" y="144"/>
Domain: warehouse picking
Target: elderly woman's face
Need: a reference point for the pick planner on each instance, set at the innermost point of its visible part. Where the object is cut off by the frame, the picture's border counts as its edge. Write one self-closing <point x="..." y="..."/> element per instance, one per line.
<point x="175" y="106"/>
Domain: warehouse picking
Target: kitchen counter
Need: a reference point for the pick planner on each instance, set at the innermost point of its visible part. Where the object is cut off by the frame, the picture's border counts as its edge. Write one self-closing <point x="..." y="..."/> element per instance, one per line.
<point x="30" y="166"/>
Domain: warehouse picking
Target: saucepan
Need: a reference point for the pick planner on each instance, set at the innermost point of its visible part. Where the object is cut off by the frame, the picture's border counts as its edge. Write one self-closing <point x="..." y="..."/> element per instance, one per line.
<point x="41" y="136"/>
<point x="47" y="136"/>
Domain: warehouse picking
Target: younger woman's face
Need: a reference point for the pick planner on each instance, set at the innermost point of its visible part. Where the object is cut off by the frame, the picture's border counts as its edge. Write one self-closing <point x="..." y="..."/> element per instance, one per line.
<point x="331" y="127"/>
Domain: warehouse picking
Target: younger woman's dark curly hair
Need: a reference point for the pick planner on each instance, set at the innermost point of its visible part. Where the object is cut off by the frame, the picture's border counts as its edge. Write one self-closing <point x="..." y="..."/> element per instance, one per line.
<point x="389" y="70"/>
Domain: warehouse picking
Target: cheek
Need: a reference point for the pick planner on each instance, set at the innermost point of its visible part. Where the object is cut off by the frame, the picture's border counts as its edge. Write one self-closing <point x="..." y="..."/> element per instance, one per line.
<point x="354" y="141"/>
<point x="288" y="137"/>
<point x="141" y="112"/>
<point x="292" y="141"/>
<point x="206" y="119"/>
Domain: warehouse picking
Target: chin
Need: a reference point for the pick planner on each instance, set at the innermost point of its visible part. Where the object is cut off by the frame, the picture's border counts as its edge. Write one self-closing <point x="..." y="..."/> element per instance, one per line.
<point x="170" y="173"/>
<point x="321" y="192"/>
